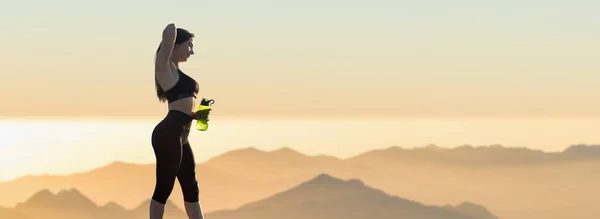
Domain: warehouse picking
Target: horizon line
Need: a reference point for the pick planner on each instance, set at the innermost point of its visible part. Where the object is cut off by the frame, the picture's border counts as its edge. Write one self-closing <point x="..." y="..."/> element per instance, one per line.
<point x="425" y="146"/>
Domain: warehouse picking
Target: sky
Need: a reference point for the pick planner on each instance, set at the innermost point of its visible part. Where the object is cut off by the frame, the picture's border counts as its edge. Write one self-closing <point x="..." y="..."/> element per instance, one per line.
<point x="530" y="58"/>
<point x="309" y="61"/>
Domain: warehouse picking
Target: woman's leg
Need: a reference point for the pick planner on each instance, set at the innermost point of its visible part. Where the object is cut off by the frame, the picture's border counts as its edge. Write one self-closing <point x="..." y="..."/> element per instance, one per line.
<point x="189" y="184"/>
<point x="167" y="149"/>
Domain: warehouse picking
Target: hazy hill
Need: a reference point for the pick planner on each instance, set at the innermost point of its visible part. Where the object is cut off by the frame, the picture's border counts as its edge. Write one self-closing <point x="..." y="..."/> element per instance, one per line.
<point x="583" y="151"/>
<point x="326" y="197"/>
<point x="109" y="183"/>
<point x="477" y="156"/>
<point x="72" y="204"/>
<point x="515" y="183"/>
<point x="268" y="166"/>
<point x="472" y="210"/>
<point x="322" y="197"/>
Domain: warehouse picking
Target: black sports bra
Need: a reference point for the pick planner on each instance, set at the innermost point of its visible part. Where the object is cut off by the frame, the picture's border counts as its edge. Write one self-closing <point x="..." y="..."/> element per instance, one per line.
<point x="185" y="87"/>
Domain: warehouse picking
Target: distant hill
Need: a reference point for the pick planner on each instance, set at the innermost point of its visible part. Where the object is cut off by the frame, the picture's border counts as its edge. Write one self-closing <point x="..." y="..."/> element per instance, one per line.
<point x="326" y="197"/>
<point x="467" y="155"/>
<point x="547" y="184"/>
<point x="72" y="204"/>
<point x="471" y="209"/>
<point x="272" y="164"/>
<point x="265" y="166"/>
<point x="323" y="197"/>
<point x="109" y="183"/>
<point x="583" y="151"/>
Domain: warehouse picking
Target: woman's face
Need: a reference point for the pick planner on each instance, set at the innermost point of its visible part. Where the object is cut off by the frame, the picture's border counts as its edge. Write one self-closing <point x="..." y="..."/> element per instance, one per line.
<point x="183" y="51"/>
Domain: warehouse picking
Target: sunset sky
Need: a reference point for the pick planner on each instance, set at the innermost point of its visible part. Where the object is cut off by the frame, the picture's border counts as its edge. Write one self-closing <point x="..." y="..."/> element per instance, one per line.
<point x="336" y="78"/>
<point x="293" y="58"/>
<point x="406" y="73"/>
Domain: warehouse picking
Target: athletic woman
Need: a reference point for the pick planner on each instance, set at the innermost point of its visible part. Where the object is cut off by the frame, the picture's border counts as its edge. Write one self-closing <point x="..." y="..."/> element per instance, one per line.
<point x="174" y="157"/>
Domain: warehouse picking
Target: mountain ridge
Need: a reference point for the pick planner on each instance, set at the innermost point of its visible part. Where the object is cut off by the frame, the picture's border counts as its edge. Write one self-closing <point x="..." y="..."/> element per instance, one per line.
<point x="326" y="196"/>
<point x="583" y="150"/>
<point x="66" y="203"/>
<point x="434" y="182"/>
<point x="71" y="203"/>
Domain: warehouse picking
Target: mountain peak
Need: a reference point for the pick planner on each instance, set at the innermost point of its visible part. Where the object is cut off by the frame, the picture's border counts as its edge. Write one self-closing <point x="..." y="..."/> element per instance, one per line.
<point x="66" y="198"/>
<point x="326" y="196"/>
<point x="286" y="151"/>
<point x="255" y="151"/>
<point x="273" y="159"/>
<point x="473" y="210"/>
<point x="325" y="178"/>
<point x="583" y="150"/>
<point x="244" y="151"/>
<point x="42" y="196"/>
<point x="71" y="192"/>
<point x="113" y="205"/>
<point x="433" y="147"/>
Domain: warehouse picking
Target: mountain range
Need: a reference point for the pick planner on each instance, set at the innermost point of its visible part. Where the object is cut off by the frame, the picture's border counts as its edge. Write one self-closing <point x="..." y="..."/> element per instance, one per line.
<point x="323" y="197"/>
<point x="515" y="183"/>
<point x="494" y="155"/>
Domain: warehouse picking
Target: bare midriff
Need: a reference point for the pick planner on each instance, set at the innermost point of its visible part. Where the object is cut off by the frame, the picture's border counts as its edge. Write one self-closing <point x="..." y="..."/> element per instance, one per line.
<point x="185" y="105"/>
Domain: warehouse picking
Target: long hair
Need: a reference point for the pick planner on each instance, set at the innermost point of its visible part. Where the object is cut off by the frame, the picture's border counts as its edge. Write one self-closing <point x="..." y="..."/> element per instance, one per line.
<point x="182" y="36"/>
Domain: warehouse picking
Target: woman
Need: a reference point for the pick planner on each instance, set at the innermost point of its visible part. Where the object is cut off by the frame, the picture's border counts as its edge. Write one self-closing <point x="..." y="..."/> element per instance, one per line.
<point x="174" y="157"/>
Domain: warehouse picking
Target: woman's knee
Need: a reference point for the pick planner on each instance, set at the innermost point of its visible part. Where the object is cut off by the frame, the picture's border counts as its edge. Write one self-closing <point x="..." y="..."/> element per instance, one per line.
<point x="187" y="174"/>
<point x="190" y="192"/>
<point x="163" y="190"/>
<point x="165" y="181"/>
<point x="189" y="186"/>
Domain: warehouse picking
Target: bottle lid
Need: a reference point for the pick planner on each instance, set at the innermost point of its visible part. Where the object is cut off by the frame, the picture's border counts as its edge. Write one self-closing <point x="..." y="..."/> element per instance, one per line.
<point x="207" y="102"/>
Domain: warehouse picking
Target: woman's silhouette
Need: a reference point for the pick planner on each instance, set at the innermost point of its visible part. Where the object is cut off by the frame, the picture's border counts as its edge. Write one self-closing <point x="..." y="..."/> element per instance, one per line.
<point x="174" y="157"/>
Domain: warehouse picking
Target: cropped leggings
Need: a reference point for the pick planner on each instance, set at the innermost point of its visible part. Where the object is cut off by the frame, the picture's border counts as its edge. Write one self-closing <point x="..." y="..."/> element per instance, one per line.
<point x="174" y="158"/>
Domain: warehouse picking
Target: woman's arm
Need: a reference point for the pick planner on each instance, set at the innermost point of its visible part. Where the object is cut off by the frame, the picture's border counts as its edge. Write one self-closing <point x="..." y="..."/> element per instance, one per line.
<point x="166" y="49"/>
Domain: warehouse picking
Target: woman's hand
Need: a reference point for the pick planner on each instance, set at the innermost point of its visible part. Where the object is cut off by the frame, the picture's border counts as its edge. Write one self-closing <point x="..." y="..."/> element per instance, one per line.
<point x="201" y="114"/>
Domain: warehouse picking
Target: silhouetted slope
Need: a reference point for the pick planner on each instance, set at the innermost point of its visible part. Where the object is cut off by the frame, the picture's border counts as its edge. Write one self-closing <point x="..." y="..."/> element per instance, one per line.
<point x="320" y="198"/>
<point x="112" y="208"/>
<point x="72" y="204"/>
<point x="485" y="175"/>
<point x="64" y="199"/>
<point x="473" y="210"/>
<point x="111" y="183"/>
<point x="583" y="151"/>
<point x="326" y="197"/>
<point x="267" y="165"/>
<point x="467" y="155"/>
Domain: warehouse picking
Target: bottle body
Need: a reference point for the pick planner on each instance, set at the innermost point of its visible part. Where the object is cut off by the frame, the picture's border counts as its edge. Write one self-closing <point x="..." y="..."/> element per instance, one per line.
<point x="202" y="124"/>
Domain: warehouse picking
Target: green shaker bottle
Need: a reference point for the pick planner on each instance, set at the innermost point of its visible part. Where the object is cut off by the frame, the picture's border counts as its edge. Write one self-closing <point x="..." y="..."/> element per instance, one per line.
<point x="202" y="124"/>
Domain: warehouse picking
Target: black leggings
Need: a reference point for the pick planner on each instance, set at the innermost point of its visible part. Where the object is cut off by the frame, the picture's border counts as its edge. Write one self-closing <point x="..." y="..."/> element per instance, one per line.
<point x="174" y="158"/>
